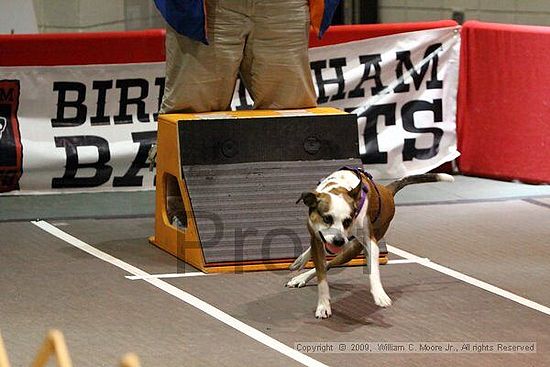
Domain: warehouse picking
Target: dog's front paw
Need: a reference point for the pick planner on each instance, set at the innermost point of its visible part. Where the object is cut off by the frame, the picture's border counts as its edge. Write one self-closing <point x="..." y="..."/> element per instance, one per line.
<point x="323" y="310"/>
<point x="298" y="281"/>
<point x="381" y="298"/>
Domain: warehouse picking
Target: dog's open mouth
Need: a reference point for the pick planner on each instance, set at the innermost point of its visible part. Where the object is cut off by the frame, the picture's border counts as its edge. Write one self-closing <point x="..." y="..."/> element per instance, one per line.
<point x="332" y="249"/>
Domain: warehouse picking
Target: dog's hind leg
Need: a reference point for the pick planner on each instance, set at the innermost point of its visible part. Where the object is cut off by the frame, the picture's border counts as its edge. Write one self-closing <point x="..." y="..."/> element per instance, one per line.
<point x="343" y="257"/>
<point x="301" y="261"/>
<point x="301" y="280"/>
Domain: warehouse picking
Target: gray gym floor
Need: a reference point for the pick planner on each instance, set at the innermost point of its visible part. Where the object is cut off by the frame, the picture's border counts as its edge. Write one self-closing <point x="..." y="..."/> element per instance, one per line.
<point x="486" y="280"/>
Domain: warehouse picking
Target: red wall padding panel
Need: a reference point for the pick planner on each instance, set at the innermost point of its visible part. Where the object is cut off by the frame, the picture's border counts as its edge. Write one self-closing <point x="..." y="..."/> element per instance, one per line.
<point x="504" y="102"/>
<point x="82" y="48"/>
<point x="341" y="34"/>
<point x="148" y="46"/>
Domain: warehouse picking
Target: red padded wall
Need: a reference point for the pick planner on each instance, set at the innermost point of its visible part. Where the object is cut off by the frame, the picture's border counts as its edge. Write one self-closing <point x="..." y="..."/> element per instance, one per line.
<point x="82" y="48"/>
<point x="348" y="33"/>
<point x="148" y="46"/>
<point x="504" y="102"/>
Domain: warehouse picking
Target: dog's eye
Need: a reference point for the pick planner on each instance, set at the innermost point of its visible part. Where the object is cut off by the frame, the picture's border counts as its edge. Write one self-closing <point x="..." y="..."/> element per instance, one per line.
<point x="347" y="222"/>
<point x="327" y="219"/>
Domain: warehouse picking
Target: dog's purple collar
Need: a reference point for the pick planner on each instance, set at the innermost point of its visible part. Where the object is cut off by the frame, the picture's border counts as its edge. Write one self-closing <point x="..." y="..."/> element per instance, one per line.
<point x="364" y="190"/>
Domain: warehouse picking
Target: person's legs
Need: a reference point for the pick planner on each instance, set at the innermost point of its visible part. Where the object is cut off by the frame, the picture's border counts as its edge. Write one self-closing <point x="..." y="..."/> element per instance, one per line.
<point x="275" y="68"/>
<point x="200" y="77"/>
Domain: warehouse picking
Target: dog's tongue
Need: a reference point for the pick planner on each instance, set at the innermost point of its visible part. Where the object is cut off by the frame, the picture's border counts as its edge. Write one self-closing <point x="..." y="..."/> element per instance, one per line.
<point x="332" y="249"/>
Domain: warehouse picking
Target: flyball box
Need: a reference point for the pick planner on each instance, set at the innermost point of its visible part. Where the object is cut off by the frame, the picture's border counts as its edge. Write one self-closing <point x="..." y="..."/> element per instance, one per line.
<point x="227" y="183"/>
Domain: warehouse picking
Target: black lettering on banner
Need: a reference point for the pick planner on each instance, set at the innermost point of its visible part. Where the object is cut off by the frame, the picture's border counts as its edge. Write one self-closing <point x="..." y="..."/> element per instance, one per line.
<point x="407" y="112"/>
<point x="125" y="85"/>
<point x="102" y="170"/>
<point x="404" y="62"/>
<point x="101" y="86"/>
<point x="130" y="178"/>
<point x="160" y="83"/>
<point x="373" y="155"/>
<point x="368" y="61"/>
<point x="337" y="64"/>
<point x="63" y="104"/>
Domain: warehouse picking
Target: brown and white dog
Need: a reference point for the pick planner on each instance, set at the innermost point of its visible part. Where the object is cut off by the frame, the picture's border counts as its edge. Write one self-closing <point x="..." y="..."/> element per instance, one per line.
<point x="349" y="213"/>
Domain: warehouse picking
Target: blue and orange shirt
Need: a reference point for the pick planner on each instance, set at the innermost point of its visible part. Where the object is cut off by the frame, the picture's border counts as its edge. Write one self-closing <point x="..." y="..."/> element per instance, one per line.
<point x="188" y="17"/>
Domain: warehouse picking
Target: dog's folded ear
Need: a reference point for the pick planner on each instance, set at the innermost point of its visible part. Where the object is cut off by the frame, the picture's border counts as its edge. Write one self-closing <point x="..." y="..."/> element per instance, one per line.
<point x="309" y="198"/>
<point x="355" y="193"/>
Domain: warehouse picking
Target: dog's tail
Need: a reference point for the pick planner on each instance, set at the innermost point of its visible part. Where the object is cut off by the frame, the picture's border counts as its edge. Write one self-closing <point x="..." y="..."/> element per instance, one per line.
<point x="395" y="186"/>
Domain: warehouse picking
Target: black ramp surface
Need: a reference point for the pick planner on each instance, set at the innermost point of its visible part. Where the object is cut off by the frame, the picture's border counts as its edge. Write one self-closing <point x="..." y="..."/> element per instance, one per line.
<point x="245" y="175"/>
<point x="248" y="211"/>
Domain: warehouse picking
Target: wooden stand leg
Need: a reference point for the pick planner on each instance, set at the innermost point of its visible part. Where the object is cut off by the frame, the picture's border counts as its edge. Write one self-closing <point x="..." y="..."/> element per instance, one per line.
<point x="53" y="344"/>
<point x="4" y="362"/>
<point x="130" y="360"/>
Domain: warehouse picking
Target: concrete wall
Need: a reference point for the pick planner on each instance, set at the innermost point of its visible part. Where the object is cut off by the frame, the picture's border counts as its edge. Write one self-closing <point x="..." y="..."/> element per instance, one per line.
<point x="17" y="16"/>
<point x="534" y="12"/>
<point x="95" y="15"/>
<point x="111" y="15"/>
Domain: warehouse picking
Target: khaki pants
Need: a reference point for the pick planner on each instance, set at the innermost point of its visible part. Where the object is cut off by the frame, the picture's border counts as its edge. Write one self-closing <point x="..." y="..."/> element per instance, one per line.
<point x="265" y="40"/>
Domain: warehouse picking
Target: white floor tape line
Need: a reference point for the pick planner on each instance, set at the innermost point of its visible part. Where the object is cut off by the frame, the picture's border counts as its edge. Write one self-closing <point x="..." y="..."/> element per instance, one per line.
<point x="470" y="280"/>
<point x="183" y="296"/>
<point x="407" y="261"/>
<point x="166" y="276"/>
<point x="200" y="274"/>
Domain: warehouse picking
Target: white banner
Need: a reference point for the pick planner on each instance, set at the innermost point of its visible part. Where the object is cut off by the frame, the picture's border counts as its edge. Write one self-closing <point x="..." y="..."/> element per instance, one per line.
<point x="86" y="128"/>
<point x="89" y="127"/>
<point x="403" y="89"/>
